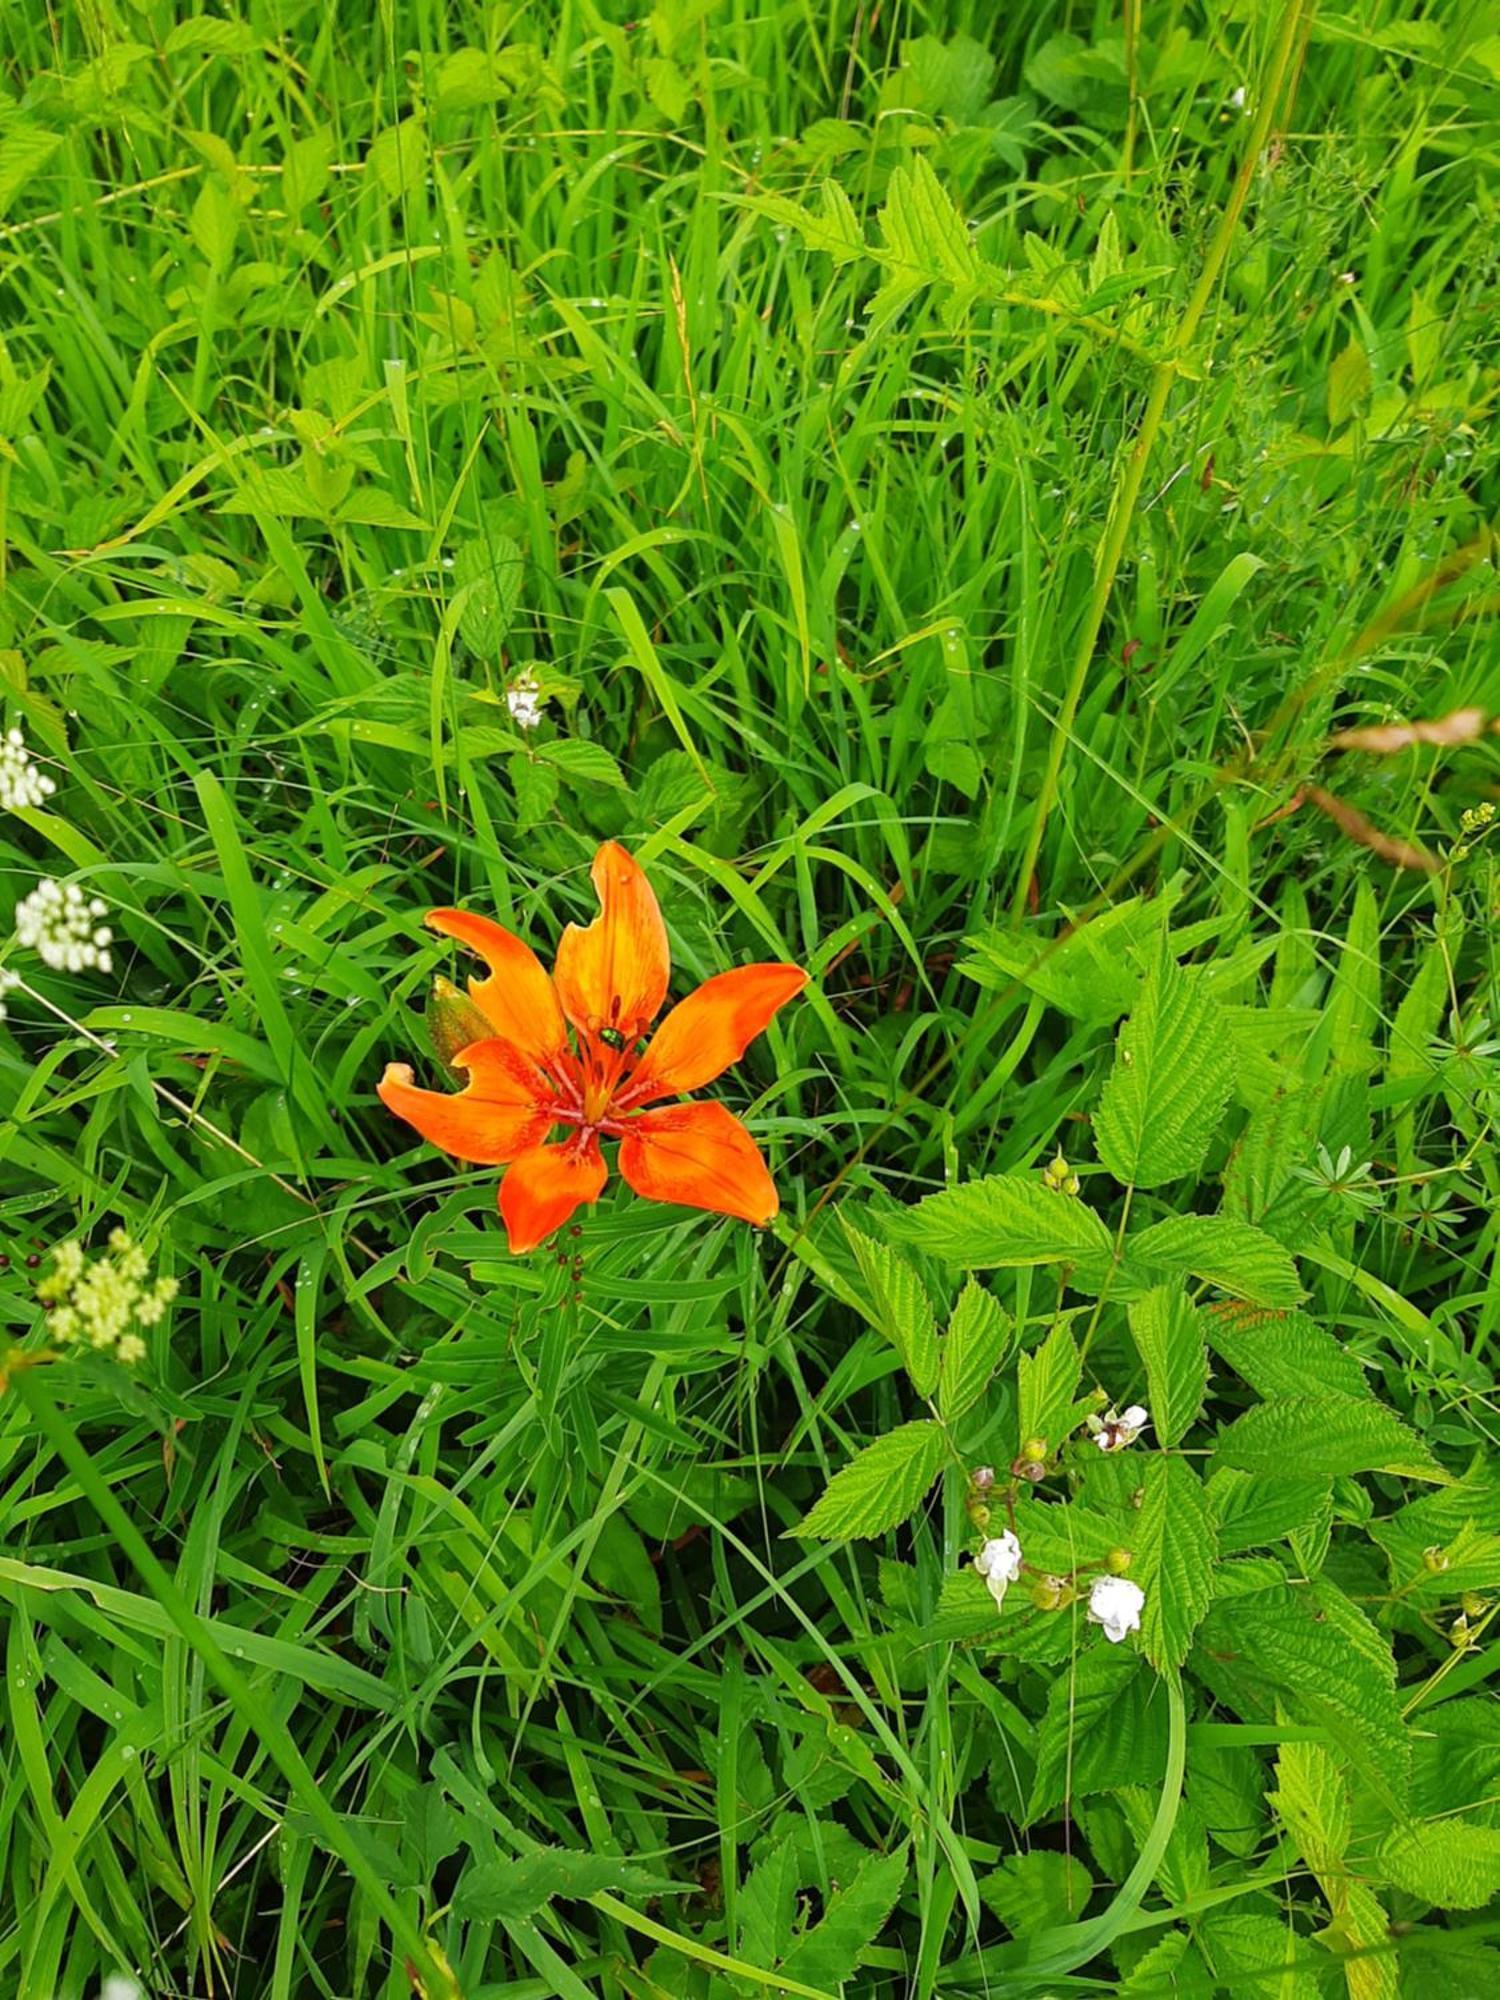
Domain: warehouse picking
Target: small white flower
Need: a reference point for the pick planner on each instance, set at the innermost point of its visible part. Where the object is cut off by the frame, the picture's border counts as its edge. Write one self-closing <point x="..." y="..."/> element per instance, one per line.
<point x="21" y="783"/>
<point x="1237" y="98"/>
<point x="1115" y="1430"/>
<point x="9" y="981"/>
<point x="1115" y="1603"/>
<point x="999" y="1563"/>
<point x="61" y="923"/>
<point x="120" y="1986"/>
<point x="525" y="700"/>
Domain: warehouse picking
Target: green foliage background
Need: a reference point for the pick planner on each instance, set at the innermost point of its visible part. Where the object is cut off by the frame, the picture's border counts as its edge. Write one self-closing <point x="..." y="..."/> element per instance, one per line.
<point x="950" y="470"/>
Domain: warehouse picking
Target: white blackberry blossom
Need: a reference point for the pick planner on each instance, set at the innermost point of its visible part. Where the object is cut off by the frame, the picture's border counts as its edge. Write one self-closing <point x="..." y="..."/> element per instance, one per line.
<point x="21" y="782"/>
<point x="999" y="1563"/>
<point x="525" y="700"/>
<point x="1115" y="1603"/>
<point x="62" y="924"/>
<point x="1114" y="1431"/>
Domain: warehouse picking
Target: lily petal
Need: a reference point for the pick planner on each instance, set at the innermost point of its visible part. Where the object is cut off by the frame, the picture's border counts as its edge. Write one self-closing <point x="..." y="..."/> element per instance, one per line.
<point x="544" y="1186"/>
<point x="517" y="998"/>
<point x="504" y="1108"/>
<point x="711" y="1029"/>
<point x="700" y="1156"/>
<point x="613" y="973"/>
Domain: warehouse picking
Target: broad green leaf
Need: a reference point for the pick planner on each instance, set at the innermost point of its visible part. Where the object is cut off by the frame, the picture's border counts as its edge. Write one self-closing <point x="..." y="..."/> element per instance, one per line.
<point x="1007" y="1221"/>
<point x="879" y="1487"/>
<point x="767" y="1906"/>
<point x="854" y="1917"/>
<point x="585" y="763"/>
<point x="1172" y="1076"/>
<point x="1168" y="1332"/>
<point x="1312" y="1799"/>
<point x="1101" y="1730"/>
<point x="926" y="241"/>
<point x="1258" y="1957"/>
<point x="899" y="1307"/>
<point x="1284" y="1354"/>
<point x="1445" y="1542"/>
<point x="1253" y="1510"/>
<point x="1450" y="1862"/>
<point x="1035" y="1891"/>
<point x="1324" y="1437"/>
<point x="517" y="1887"/>
<point x="978" y="1339"/>
<point x="1175" y="1553"/>
<point x="1263" y="1183"/>
<point x="1231" y="1255"/>
<point x="1300" y="1647"/>
<point x="487" y="575"/>
<point x="1046" y="1384"/>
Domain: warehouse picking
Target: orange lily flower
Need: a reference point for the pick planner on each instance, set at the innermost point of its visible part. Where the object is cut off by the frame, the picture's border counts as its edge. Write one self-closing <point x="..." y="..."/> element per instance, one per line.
<point x="608" y="984"/>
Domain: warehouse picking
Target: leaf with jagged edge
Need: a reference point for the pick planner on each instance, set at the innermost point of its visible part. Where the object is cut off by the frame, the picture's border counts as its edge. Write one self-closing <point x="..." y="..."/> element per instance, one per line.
<point x="1172" y="1078"/>
<point x="1168" y="1332"/>
<point x="900" y="1307"/>
<point x="1449" y="1862"/>
<point x="1230" y="1255"/>
<point x="879" y="1487"/>
<point x="978" y="1339"/>
<point x="853" y="1918"/>
<point x="1046" y="1383"/>
<point x="1175" y="1554"/>
<point x="1008" y="1221"/>
<point x="1329" y="1437"/>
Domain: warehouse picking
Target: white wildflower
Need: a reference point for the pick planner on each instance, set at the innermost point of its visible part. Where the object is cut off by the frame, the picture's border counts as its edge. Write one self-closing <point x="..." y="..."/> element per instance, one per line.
<point x="1114" y="1431"/>
<point x="62" y="924"/>
<point x="21" y="783"/>
<point x="103" y="1302"/>
<point x="1237" y="100"/>
<point x="9" y="981"/>
<point x="525" y="700"/>
<point x="1115" y="1603"/>
<point x="120" y="1986"/>
<point x="999" y="1563"/>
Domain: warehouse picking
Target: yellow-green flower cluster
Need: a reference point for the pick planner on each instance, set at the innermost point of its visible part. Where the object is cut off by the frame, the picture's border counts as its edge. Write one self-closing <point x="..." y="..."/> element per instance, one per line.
<point x="103" y="1302"/>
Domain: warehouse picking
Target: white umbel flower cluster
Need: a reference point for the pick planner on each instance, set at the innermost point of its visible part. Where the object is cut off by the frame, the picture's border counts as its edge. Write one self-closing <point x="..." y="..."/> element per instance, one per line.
<point x="102" y="1302"/>
<point x="525" y="700"/>
<point x="999" y="1563"/>
<point x="21" y="783"/>
<point x="61" y="923"/>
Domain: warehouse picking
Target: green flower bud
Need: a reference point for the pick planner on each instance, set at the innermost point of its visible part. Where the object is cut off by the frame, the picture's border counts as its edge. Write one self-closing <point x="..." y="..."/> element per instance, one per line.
<point x="1118" y="1561"/>
<point x="453" y="1021"/>
<point x="1435" y="1560"/>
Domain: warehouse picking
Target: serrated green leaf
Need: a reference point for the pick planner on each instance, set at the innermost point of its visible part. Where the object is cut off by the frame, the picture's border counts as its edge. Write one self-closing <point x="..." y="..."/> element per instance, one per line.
<point x="1168" y="1333"/>
<point x="584" y="762"/>
<point x="1452" y="1863"/>
<point x="926" y="242"/>
<point x="1253" y="1510"/>
<point x="1007" y="1221"/>
<point x="1285" y="1354"/>
<point x="1258" y="1957"/>
<point x="1354" y="1003"/>
<point x="855" y="1915"/>
<point x="879" y="1487"/>
<point x="1172" y="1078"/>
<point x="899" y="1307"/>
<point x="1046" y="1384"/>
<point x="977" y="1341"/>
<point x="517" y="1887"/>
<point x="1036" y="1891"/>
<point x="488" y="572"/>
<point x="1301" y="1648"/>
<point x="1242" y="1261"/>
<point x="1175" y="1553"/>
<point x="1101" y="1730"/>
<point x="1324" y="1437"/>
<point x="1312" y="1800"/>
<point x="767" y="1906"/>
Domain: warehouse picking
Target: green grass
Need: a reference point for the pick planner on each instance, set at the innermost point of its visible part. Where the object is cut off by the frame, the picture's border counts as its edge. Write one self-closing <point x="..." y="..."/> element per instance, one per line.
<point x="950" y="583"/>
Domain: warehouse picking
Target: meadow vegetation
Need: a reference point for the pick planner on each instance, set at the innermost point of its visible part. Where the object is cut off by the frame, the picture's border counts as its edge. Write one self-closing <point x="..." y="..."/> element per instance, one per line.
<point x="995" y="507"/>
